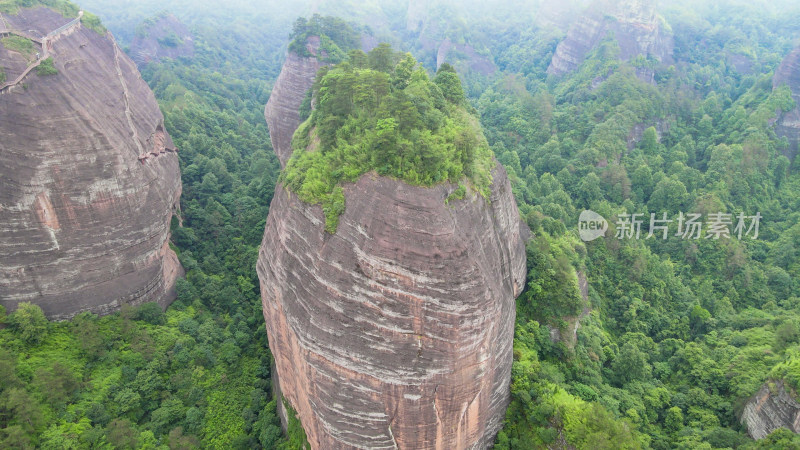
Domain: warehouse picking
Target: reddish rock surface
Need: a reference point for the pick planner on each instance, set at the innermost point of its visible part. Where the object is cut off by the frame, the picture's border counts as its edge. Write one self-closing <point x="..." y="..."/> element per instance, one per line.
<point x="397" y="330"/>
<point x="282" y="110"/>
<point x="88" y="179"/>
<point x="788" y="124"/>
<point x="634" y="24"/>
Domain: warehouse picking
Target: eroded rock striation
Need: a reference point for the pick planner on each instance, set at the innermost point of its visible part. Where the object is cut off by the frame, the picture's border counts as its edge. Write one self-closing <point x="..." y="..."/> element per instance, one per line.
<point x="788" y="124"/>
<point x="162" y="37"/>
<point x="397" y="330"/>
<point x="89" y="177"/>
<point x="282" y="110"/>
<point x="634" y="24"/>
<point x="771" y="408"/>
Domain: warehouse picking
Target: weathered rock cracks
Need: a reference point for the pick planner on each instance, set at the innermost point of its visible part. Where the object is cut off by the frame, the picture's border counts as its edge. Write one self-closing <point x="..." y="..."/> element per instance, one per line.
<point x="397" y="330"/>
<point x="88" y="179"/>
<point x="771" y="408"/>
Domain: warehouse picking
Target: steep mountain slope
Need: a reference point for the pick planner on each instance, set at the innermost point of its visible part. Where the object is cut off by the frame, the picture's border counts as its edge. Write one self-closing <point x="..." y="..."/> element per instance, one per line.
<point x="396" y="330"/>
<point x="89" y="177"/>
<point x="282" y="110"/>
<point x="770" y="409"/>
<point x="634" y="24"/>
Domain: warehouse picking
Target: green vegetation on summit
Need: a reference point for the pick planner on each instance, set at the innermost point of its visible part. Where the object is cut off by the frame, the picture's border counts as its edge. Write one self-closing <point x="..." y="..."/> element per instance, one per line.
<point x="336" y="37"/>
<point x="381" y="112"/>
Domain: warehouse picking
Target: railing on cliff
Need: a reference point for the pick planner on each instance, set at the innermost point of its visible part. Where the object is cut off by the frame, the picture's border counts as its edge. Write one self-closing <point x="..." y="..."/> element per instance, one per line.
<point x="45" y="51"/>
<point x="65" y="26"/>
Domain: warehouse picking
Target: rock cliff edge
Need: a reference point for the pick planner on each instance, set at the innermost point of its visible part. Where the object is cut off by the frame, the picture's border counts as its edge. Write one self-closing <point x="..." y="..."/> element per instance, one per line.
<point x="89" y="176"/>
<point x="397" y="330"/>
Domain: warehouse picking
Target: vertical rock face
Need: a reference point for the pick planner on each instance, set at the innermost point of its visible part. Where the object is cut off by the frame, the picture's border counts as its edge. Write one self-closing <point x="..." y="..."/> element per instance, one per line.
<point x="634" y="24"/>
<point x="788" y="124"/>
<point x="397" y="330"/>
<point x="296" y="77"/>
<point x="771" y="408"/>
<point x="88" y="178"/>
<point x="163" y="37"/>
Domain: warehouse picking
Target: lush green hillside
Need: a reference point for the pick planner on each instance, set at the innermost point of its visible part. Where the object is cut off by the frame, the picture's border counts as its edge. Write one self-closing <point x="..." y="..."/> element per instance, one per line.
<point x="677" y="333"/>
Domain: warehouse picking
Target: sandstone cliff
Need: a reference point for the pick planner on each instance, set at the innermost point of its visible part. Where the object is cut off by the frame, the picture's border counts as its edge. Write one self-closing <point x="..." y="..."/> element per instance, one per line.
<point x="397" y="330"/>
<point x="634" y="24"/>
<point x="162" y="37"/>
<point x="296" y="77"/>
<point x="788" y="124"/>
<point x="88" y="176"/>
<point x="771" y="408"/>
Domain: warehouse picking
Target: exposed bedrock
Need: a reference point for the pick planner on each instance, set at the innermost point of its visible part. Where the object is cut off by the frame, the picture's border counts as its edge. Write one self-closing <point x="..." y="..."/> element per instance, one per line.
<point x="788" y="124"/>
<point x="398" y="329"/>
<point x="88" y="179"/>
<point x="636" y="27"/>
<point x="282" y="110"/>
<point x="771" y="408"/>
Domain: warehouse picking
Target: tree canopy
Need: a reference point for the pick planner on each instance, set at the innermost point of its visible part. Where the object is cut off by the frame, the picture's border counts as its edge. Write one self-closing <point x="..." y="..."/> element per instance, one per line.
<point x="381" y="112"/>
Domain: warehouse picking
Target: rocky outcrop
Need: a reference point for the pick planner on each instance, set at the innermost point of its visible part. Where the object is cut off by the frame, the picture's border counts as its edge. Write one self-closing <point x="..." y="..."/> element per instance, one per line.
<point x="771" y="408"/>
<point x="397" y="330"/>
<point x="88" y="178"/>
<point x="282" y="110"/>
<point x="569" y="334"/>
<point x="634" y="24"/>
<point x="161" y="37"/>
<point x="788" y="124"/>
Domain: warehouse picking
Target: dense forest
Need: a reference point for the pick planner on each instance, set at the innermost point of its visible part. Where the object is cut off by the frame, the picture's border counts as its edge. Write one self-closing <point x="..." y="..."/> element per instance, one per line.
<point x="662" y="349"/>
<point x="676" y="333"/>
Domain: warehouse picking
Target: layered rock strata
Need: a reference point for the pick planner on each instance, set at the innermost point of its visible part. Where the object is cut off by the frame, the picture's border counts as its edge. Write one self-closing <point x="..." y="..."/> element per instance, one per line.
<point x="637" y="28"/>
<point x="89" y="178"/>
<point x="282" y="110"/>
<point x="771" y="408"/>
<point x="788" y="124"/>
<point x="397" y="330"/>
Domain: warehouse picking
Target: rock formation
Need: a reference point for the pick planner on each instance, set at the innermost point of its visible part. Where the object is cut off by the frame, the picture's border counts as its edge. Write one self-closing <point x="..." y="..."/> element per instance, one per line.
<point x="634" y="24"/>
<point x="162" y="37"/>
<point x="397" y="330"/>
<point x="88" y="176"/>
<point x="788" y="124"/>
<point x="282" y="110"/>
<point x="771" y="408"/>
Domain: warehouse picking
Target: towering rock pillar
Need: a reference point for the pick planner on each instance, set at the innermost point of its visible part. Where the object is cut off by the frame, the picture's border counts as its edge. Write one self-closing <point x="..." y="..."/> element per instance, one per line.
<point x="88" y="175"/>
<point x="397" y="330"/>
